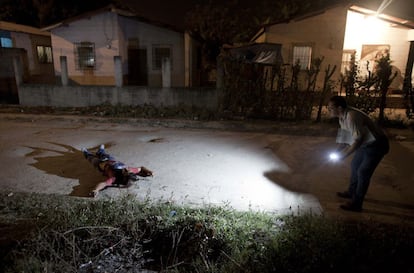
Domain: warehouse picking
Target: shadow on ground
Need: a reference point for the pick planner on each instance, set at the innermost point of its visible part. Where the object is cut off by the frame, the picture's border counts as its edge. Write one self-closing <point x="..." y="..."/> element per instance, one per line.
<point x="68" y="163"/>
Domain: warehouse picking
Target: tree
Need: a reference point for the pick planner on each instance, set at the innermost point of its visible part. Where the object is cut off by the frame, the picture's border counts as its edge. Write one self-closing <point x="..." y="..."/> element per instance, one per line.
<point x="233" y="22"/>
<point x="44" y="9"/>
<point x="40" y="13"/>
<point x="385" y="78"/>
<point x="18" y="11"/>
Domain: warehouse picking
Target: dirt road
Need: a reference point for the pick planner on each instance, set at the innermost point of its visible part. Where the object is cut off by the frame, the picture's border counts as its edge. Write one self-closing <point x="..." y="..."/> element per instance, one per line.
<point x="261" y="167"/>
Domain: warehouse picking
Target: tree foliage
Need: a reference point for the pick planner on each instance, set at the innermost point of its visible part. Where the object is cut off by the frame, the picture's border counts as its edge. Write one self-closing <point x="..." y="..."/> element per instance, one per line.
<point x="40" y="13"/>
<point x="385" y="77"/>
<point x="216" y="23"/>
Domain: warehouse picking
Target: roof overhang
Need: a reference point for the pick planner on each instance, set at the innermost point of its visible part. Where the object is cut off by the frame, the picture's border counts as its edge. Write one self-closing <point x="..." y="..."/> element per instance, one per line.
<point x="79" y="17"/>
<point x="22" y="28"/>
<point x="391" y="19"/>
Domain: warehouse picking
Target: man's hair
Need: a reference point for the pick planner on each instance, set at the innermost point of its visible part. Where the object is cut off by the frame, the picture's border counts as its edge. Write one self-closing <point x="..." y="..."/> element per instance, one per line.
<point x="338" y="101"/>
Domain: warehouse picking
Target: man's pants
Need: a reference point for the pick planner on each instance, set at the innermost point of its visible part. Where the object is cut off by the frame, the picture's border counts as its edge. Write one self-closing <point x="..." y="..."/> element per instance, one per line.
<point x="363" y="165"/>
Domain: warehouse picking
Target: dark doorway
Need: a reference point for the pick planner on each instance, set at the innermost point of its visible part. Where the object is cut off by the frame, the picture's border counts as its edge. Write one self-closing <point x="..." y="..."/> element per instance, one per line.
<point x="8" y="91"/>
<point x="137" y="67"/>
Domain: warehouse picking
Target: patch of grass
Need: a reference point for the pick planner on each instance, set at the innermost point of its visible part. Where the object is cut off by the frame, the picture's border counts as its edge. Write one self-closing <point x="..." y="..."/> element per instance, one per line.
<point x="69" y="234"/>
<point x="120" y="111"/>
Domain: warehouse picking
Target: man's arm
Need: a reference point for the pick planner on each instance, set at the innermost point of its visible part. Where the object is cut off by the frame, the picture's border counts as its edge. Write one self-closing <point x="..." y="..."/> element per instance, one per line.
<point x="141" y="171"/>
<point x="356" y="126"/>
<point x="350" y="148"/>
<point x="341" y="147"/>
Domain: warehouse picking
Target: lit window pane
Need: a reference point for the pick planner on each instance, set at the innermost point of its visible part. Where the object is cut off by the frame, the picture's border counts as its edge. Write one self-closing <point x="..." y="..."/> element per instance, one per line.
<point x="302" y="55"/>
<point x="347" y="59"/>
<point x="48" y="52"/>
<point x="44" y="54"/>
<point x="6" y="42"/>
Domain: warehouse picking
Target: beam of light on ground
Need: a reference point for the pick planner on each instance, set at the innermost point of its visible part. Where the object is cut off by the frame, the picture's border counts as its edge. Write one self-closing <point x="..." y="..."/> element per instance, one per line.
<point x="225" y="169"/>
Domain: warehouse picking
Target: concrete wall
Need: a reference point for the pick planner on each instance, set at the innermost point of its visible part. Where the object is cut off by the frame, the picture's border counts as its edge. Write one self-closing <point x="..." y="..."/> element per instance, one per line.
<point x="82" y="96"/>
<point x="324" y="32"/>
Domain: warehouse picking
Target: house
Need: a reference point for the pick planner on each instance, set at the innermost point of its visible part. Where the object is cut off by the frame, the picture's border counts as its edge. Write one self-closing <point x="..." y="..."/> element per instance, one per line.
<point x="150" y="53"/>
<point x="32" y="47"/>
<point x="340" y="32"/>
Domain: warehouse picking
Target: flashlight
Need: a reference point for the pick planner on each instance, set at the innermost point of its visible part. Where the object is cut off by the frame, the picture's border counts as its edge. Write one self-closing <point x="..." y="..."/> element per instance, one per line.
<point x="334" y="156"/>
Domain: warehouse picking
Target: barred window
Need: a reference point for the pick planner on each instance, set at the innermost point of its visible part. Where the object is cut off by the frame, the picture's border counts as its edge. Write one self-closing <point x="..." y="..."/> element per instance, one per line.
<point x="303" y="56"/>
<point x="348" y="59"/>
<point x="160" y="52"/>
<point x="85" y="55"/>
<point x="44" y="54"/>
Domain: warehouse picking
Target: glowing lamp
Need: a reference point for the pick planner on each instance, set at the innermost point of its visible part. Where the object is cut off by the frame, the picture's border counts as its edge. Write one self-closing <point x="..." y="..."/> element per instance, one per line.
<point x="334" y="156"/>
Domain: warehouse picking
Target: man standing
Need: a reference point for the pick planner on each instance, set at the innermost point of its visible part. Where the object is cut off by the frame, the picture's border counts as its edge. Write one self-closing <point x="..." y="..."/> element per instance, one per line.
<point x="360" y="135"/>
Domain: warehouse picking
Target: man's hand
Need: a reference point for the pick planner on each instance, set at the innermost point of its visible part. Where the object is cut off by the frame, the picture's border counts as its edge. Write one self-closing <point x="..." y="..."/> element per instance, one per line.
<point x="336" y="156"/>
<point x="144" y="172"/>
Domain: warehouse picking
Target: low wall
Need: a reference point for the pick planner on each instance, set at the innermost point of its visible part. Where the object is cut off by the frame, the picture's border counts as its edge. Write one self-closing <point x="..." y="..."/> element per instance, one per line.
<point x="82" y="96"/>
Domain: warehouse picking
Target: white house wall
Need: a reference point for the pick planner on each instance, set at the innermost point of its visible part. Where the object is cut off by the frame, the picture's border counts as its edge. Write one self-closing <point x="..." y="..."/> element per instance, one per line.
<point x="324" y="32"/>
<point x="98" y="29"/>
<point x="368" y="30"/>
<point x="149" y="35"/>
<point x="110" y="33"/>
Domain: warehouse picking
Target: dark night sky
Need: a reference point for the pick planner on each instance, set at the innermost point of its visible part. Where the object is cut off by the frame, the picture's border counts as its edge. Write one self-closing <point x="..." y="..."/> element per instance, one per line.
<point x="173" y="12"/>
<point x="170" y="12"/>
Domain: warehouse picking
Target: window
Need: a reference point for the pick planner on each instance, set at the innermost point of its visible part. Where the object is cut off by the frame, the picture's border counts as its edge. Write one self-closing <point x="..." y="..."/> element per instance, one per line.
<point x="44" y="54"/>
<point x="5" y="39"/>
<point x="303" y="56"/>
<point x="5" y="42"/>
<point x="159" y="53"/>
<point x="348" y="59"/>
<point x="85" y="55"/>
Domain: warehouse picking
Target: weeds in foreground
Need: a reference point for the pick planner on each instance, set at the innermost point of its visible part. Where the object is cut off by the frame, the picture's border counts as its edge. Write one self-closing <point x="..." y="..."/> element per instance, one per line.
<point x="78" y="235"/>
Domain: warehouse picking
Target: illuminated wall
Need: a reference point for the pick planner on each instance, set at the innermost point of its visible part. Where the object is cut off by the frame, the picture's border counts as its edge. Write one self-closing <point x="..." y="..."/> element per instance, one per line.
<point x="323" y="32"/>
<point x="370" y="36"/>
<point x="337" y="32"/>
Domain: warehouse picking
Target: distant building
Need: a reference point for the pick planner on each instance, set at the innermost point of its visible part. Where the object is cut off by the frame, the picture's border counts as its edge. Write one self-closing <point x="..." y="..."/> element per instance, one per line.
<point x="151" y="53"/>
<point x="32" y="47"/>
<point x="340" y="33"/>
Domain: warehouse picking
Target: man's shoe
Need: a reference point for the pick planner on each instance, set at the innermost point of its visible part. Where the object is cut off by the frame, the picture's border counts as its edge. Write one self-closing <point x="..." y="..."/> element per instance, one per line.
<point x="85" y="152"/>
<point x="344" y="194"/>
<point x="101" y="150"/>
<point x="351" y="207"/>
